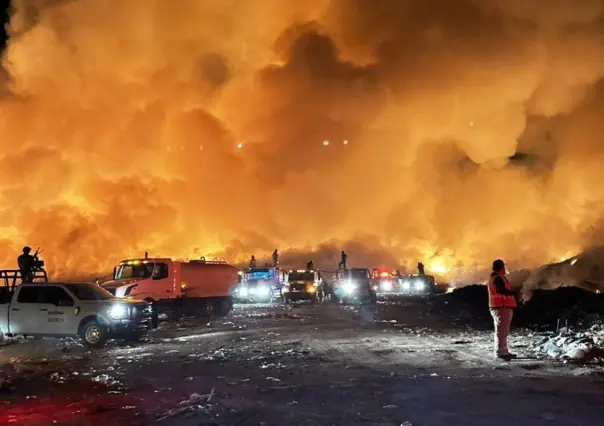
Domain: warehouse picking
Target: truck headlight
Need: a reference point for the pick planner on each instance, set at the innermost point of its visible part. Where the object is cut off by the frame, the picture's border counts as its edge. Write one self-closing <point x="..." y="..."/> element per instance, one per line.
<point x="285" y="289"/>
<point x="406" y="285"/>
<point x="311" y="289"/>
<point x="263" y="291"/>
<point x="420" y="285"/>
<point x="118" y="312"/>
<point x="387" y="285"/>
<point x="349" y="287"/>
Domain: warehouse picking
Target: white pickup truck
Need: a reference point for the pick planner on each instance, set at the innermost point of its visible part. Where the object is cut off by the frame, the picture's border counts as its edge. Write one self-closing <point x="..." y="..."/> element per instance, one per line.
<point x="71" y="309"/>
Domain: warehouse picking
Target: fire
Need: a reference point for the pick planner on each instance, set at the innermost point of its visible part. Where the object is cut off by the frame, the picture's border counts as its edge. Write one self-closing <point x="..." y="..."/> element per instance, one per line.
<point x="132" y="126"/>
<point x="438" y="268"/>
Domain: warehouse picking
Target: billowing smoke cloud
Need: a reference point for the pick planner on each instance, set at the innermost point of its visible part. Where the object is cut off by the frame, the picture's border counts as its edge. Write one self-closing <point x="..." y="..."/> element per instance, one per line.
<point x="194" y="127"/>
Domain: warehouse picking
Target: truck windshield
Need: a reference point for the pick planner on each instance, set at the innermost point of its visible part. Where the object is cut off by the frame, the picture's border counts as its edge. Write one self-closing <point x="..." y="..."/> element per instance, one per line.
<point x="355" y="273"/>
<point x="301" y="276"/>
<point x="133" y="270"/>
<point x="260" y="274"/>
<point x="88" y="292"/>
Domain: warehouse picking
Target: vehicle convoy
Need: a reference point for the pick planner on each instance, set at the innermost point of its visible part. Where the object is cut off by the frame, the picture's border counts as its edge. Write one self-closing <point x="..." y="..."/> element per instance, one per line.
<point x="418" y="284"/>
<point x="71" y="309"/>
<point x="196" y="287"/>
<point x="303" y="285"/>
<point x="353" y="284"/>
<point x="261" y="285"/>
<point x="386" y="282"/>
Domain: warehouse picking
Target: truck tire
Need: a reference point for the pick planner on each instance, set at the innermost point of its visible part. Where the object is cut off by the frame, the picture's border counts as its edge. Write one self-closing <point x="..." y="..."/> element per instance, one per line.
<point x="154" y="314"/>
<point x="221" y="307"/>
<point x="93" y="334"/>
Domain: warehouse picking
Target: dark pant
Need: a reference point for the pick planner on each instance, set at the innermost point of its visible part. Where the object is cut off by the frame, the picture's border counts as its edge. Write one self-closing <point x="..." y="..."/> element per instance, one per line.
<point x="27" y="276"/>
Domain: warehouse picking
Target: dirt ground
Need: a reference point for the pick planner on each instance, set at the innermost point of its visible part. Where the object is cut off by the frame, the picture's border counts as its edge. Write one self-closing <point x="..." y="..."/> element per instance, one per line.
<point x="394" y="364"/>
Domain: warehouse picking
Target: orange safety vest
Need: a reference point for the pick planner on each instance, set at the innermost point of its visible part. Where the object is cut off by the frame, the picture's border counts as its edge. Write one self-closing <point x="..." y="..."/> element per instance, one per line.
<point x="497" y="300"/>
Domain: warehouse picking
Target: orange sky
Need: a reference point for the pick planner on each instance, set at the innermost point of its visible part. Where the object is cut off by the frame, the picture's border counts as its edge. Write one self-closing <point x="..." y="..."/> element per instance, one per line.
<point x="121" y="123"/>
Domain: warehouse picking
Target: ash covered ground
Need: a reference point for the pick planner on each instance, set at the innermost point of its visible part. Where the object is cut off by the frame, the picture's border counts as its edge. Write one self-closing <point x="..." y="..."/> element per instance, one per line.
<point x="406" y="361"/>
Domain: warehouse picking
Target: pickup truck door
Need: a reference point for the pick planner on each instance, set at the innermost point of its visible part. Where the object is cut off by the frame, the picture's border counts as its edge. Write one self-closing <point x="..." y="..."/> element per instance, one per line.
<point x="42" y="309"/>
<point x="5" y="299"/>
<point x="23" y="310"/>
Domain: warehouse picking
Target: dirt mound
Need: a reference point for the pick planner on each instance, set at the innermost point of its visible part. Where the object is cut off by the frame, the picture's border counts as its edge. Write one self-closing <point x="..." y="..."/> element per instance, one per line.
<point x="563" y="306"/>
<point x="465" y="306"/>
<point x="546" y="310"/>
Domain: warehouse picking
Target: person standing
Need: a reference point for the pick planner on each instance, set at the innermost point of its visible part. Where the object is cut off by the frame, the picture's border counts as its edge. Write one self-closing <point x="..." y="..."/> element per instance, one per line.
<point x="275" y="258"/>
<point x="501" y="304"/>
<point x="26" y="265"/>
<point x="343" y="261"/>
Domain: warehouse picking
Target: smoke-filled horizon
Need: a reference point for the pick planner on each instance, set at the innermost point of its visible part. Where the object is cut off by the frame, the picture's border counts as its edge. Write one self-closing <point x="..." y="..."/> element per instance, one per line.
<point x="197" y="127"/>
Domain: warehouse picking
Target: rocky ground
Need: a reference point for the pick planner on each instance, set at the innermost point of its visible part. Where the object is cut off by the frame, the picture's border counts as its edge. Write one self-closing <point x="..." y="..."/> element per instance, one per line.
<point x="404" y="362"/>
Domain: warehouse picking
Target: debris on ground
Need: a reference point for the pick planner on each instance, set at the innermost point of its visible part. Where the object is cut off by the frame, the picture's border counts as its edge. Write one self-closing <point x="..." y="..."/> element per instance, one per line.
<point x="195" y="404"/>
<point x="105" y="379"/>
<point x="574" y="345"/>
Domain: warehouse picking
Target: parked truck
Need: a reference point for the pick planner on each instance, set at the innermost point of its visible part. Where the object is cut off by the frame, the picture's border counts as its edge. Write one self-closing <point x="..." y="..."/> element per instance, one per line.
<point x="261" y="285"/>
<point x="71" y="309"/>
<point x="353" y="285"/>
<point x="303" y="285"/>
<point x="195" y="287"/>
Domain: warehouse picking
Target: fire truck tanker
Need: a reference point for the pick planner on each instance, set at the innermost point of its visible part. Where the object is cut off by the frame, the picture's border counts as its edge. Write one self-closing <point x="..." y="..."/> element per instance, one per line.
<point x="193" y="287"/>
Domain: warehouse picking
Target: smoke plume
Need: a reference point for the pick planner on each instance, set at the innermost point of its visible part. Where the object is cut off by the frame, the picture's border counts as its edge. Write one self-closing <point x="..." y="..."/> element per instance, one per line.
<point x="472" y="128"/>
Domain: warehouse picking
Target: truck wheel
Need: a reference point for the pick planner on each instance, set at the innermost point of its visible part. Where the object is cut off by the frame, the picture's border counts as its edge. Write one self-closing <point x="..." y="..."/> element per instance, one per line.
<point x="93" y="334"/>
<point x="154" y="313"/>
<point x="154" y="317"/>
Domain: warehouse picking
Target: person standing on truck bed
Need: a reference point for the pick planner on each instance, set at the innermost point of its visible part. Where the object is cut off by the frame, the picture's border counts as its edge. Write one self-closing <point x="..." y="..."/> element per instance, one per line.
<point x="342" y="264"/>
<point x="252" y="262"/>
<point x="26" y="265"/>
<point x="310" y="266"/>
<point x="275" y="258"/>
<point x="420" y="268"/>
